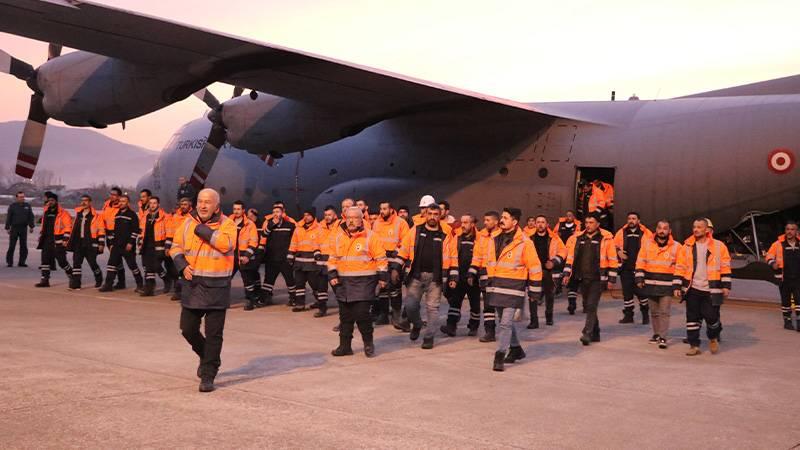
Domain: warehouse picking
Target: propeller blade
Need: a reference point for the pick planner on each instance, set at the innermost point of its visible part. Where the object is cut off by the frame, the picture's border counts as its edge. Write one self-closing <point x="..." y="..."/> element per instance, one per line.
<point x="216" y="139"/>
<point x="53" y="51"/>
<point x="208" y="98"/>
<point x="237" y="91"/>
<point x="16" y="67"/>
<point x="32" y="138"/>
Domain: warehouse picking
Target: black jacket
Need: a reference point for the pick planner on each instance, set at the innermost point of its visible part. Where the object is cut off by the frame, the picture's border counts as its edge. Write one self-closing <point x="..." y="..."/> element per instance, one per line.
<point x="187" y="191"/>
<point x="279" y="236"/>
<point x="126" y="227"/>
<point x="19" y="215"/>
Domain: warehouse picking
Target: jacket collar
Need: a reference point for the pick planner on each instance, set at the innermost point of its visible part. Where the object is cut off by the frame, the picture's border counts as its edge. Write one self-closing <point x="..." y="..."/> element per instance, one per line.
<point x="691" y="241"/>
<point x="215" y="218"/>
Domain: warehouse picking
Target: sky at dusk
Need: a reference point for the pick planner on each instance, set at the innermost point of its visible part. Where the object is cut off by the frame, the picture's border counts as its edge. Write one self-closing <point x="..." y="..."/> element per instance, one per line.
<point x="521" y="50"/>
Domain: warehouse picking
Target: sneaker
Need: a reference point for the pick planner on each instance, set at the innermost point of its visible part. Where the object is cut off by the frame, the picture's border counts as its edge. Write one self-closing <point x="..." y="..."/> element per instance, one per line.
<point x="694" y="351"/>
<point x="662" y="343"/>
<point x="654" y="339"/>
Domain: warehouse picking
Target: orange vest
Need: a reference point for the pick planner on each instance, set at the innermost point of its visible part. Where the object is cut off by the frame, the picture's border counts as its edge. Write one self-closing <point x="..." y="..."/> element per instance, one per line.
<point x="97" y="227"/>
<point x="304" y="246"/>
<point x="357" y="255"/>
<point x="160" y="227"/>
<point x="597" y="201"/>
<point x="175" y="220"/>
<point x="419" y="219"/>
<point x="478" y="265"/>
<point x="619" y="238"/>
<point x="557" y="251"/>
<point x="516" y="270"/>
<point x="655" y="267"/>
<point x="718" y="266"/>
<point x="109" y="214"/>
<point x="212" y="259"/>
<point x="390" y="232"/>
<point x="608" y="255"/>
<point x="247" y="236"/>
<point x="775" y="255"/>
<point x="406" y="255"/>
<point x="62" y="226"/>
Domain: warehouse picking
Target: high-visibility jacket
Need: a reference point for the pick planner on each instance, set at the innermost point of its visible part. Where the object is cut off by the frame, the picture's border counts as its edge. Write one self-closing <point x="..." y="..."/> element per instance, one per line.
<point x="598" y="202"/>
<point x="109" y="214"/>
<point x="391" y="233"/>
<point x="529" y="230"/>
<point x="775" y="254"/>
<point x="420" y="219"/>
<point x="97" y="229"/>
<point x="608" y="255"/>
<point x="143" y="210"/>
<point x="557" y="252"/>
<point x="325" y="240"/>
<point x="246" y="237"/>
<point x="407" y="253"/>
<point x="620" y="239"/>
<point x="608" y="192"/>
<point x="208" y="248"/>
<point x="286" y="217"/>
<point x="655" y="267"/>
<point x="61" y="228"/>
<point x="563" y="231"/>
<point x="358" y="261"/>
<point x="478" y="267"/>
<point x="176" y="220"/>
<point x="160" y="227"/>
<point x="512" y="274"/>
<point x="304" y="247"/>
<point x="718" y="266"/>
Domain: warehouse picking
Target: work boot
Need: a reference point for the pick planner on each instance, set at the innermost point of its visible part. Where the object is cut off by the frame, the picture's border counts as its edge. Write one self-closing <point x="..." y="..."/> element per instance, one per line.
<point x="344" y="348"/>
<point x="167" y="285"/>
<point x="369" y="346"/>
<point x="585" y="339"/>
<point x="694" y="351"/>
<point x="292" y="301"/>
<point x="499" y="357"/>
<point x="337" y="327"/>
<point x="248" y="305"/>
<point x="627" y="316"/>
<point x="787" y="323"/>
<point x="107" y="287"/>
<point x="149" y="289"/>
<point x="472" y="331"/>
<point x="488" y="336"/>
<point x="448" y="329"/>
<point x="74" y="283"/>
<point x="548" y="319"/>
<point x="534" y="315"/>
<point x="645" y="315"/>
<point x="176" y="296"/>
<point x="207" y="384"/>
<point x="427" y="343"/>
<point x="43" y="283"/>
<point x="662" y="343"/>
<point x="382" y="319"/>
<point x="595" y="337"/>
<point x="323" y="309"/>
<point x="139" y="284"/>
<point x="98" y="280"/>
<point x="399" y="323"/>
<point x="571" y="306"/>
<point x="120" y="285"/>
<point x="515" y="353"/>
<point x="713" y="345"/>
<point x="264" y="299"/>
<point x="415" y="330"/>
<point x="299" y="307"/>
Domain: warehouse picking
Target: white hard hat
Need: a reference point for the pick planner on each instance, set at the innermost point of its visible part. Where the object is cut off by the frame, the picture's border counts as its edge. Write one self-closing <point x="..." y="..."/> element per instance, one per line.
<point x="426" y="201"/>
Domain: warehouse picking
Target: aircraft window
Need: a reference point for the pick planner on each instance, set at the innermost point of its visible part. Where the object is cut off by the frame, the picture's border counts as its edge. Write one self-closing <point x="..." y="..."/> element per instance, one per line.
<point x="543" y="172"/>
<point x="333" y="172"/>
<point x="391" y="164"/>
<point x="504" y="171"/>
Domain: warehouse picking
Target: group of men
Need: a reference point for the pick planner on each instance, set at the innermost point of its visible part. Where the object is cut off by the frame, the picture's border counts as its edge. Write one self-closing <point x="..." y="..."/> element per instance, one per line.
<point x="371" y="260"/>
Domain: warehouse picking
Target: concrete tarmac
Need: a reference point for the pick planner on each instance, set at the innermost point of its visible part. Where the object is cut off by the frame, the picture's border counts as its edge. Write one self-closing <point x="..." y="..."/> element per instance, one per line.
<point x="92" y="370"/>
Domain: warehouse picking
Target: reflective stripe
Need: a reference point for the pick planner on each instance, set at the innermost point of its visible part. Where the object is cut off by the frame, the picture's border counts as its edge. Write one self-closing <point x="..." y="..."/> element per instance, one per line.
<point x="356" y="258"/>
<point x="299" y="259"/>
<point x="658" y="282"/>
<point x="357" y="273"/>
<point x="505" y="291"/>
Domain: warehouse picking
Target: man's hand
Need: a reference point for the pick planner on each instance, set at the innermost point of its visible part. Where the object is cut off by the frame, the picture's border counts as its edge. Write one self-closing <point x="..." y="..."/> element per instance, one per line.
<point x="31" y="230"/>
<point x="244" y="260"/>
<point x="677" y="293"/>
<point x="623" y="255"/>
<point x="725" y="292"/>
<point x="395" y="276"/>
<point x="640" y="285"/>
<point x="565" y="281"/>
<point x="334" y="282"/>
<point x="129" y="247"/>
<point x="187" y="273"/>
<point x="774" y="265"/>
<point x="100" y="249"/>
<point x="452" y="284"/>
<point x="610" y="286"/>
<point x="549" y="265"/>
<point x="471" y="281"/>
<point x="382" y="284"/>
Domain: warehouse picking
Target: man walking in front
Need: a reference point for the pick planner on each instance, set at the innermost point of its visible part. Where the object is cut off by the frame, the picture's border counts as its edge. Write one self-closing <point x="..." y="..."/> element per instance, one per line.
<point x="655" y="274"/>
<point x="628" y="240"/>
<point x="784" y="257"/>
<point x="277" y="236"/>
<point x="303" y="255"/>
<point x="477" y="272"/>
<point x="391" y="230"/>
<point x="19" y="219"/>
<point x="464" y="242"/>
<point x="703" y="279"/>
<point x="244" y="258"/>
<point x="552" y="253"/>
<point x="428" y="258"/>
<point x="123" y="247"/>
<point x="86" y="242"/>
<point x="203" y="251"/>
<point x="592" y="262"/>
<point x="53" y="238"/>
<point x="357" y="266"/>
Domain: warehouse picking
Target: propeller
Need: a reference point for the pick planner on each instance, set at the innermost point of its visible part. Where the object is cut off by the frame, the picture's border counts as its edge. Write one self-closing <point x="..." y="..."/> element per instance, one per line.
<point x="216" y="139"/>
<point x="35" y="127"/>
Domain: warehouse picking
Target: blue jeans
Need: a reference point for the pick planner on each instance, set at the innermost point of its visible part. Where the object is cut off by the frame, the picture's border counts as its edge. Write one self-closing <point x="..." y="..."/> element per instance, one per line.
<point x="432" y="291"/>
<point x="507" y="333"/>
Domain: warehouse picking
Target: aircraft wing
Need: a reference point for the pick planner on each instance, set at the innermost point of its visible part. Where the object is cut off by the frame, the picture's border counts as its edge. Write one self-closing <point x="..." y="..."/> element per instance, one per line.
<point x="265" y="67"/>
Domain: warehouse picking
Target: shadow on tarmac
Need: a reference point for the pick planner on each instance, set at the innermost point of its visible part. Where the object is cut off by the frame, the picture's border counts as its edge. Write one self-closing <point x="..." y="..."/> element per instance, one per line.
<point x="268" y="366"/>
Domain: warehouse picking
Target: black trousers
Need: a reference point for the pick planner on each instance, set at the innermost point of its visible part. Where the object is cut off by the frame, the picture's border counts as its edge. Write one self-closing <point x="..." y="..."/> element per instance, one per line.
<point x="52" y="253"/>
<point x="455" y="299"/>
<point x="153" y="262"/>
<point x="572" y="295"/>
<point x="115" y="258"/>
<point x="790" y="288"/>
<point x="355" y="313"/>
<point x="628" y="280"/>
<point x="489" y="314"/>
<point x="698" y="309"/>
<point x="591" y="290"/>
<point x="390" y="296"/>
<point x="249" y="274"/>
<point x="548" y="294"/>
<point x="17" y="234"/>
<point x="301" y="277"/>
<point x="271" y="272"/>
<point x="208" y="347"/>
<point x="120" y="268"/>
<point x="88" y="253"/>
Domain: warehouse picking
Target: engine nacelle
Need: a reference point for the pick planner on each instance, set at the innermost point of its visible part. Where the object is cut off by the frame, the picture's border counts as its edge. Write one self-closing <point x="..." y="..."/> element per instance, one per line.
<point x="85" y="89"/>
<point x="276" y="124"/>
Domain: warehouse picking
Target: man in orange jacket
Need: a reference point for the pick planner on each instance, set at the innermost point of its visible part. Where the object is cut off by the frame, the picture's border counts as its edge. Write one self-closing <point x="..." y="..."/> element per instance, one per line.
<point x="54" y="237"/>
<point x="109" y="214"/>
<point x="552" y="254"/>
<point x="391" y="230"/>
<point x="566" y="227"/>
<point x="303" y="255"/>
<point x="784" y="257"/>
<point x="86" y="242"/>
<point x="478" y="273"/>
<point x="152" y="245"/>
<point x="628" y="241"/>
<point x="176" y="219"/>
<point x="592" y="262"/>
<point x="244" y="258"/>
<point x="703" y="280"/>
<point x="203" y="250"/>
